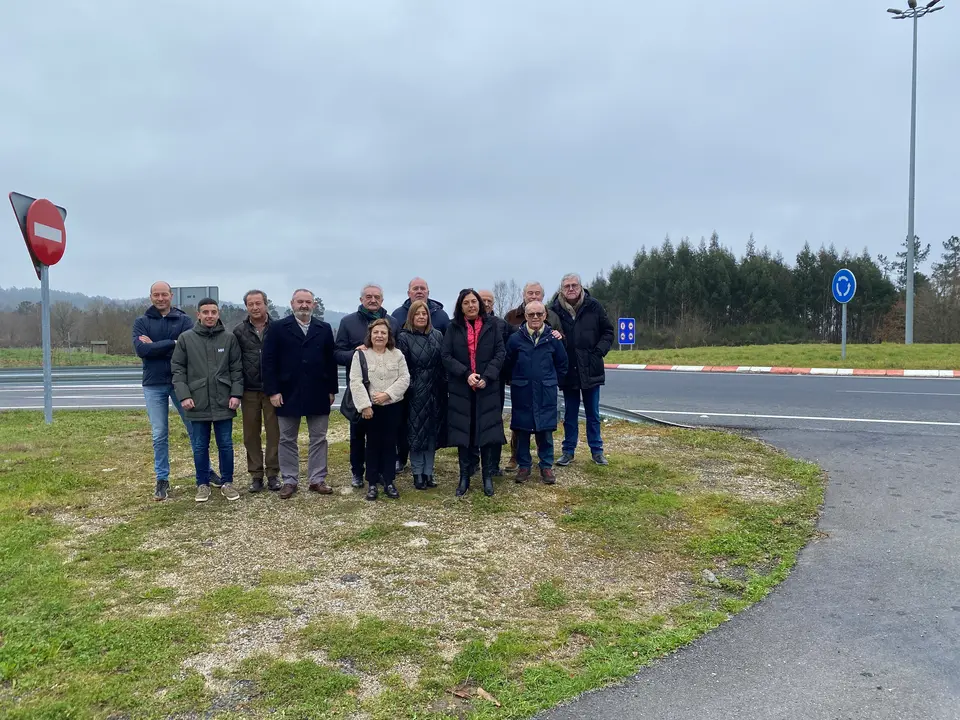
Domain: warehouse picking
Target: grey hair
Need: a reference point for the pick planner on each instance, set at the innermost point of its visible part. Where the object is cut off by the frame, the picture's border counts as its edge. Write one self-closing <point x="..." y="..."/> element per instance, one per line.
<point x="531" y="284"/>
<point x="248" y="293"/>
<point x="300" y="290"/>
<point x="571" y="276"/>
<point x="369" y="285"/>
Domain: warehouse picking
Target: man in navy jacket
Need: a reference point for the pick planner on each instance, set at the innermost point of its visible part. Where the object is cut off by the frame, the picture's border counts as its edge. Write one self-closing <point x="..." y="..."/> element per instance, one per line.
<point x="155" y="335"/>
<point x="300" y="377"/>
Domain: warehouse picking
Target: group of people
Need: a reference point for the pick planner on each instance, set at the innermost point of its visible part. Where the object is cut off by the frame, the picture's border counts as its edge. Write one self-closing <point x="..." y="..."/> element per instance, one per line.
<point x="417" y="381"/>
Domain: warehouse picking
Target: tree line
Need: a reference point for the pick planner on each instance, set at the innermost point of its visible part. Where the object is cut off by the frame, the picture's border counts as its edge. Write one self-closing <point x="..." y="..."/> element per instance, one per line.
<point x="100" y="321"/>
<point x="688" y="295"/>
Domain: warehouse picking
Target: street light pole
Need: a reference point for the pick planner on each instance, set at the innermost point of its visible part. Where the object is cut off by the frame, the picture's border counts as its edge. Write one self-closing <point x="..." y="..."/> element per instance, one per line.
<point x="915" y="13"/>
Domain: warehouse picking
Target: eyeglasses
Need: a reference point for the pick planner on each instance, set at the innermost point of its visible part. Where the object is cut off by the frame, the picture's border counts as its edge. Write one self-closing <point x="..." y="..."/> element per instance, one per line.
<point x="571" y="286"/>
<point x="535" y="314"/>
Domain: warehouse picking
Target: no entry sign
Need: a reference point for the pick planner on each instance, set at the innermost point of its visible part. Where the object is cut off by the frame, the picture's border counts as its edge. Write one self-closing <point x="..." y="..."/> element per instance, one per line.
<point x="45" y="232"/>
<point x="42" y="225"/>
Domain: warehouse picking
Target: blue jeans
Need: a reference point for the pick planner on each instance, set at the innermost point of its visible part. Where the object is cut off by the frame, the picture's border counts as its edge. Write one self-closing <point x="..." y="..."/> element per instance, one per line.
<point x="223" y="430"/>
<point x="158" y="399"/>
<point x="571" y="417"/>
<point x="544" y="449"/>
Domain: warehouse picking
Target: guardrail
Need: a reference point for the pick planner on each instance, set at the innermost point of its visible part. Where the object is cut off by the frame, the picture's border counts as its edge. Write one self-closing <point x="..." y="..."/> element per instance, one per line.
<point x="110" y="373"/>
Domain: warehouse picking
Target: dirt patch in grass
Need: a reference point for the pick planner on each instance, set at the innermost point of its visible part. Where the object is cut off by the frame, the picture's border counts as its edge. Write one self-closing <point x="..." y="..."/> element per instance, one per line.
<point x="377" y="609"/>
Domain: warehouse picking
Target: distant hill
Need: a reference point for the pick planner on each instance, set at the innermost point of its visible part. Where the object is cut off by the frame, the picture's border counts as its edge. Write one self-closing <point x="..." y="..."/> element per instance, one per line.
<point x="10" y="298"/>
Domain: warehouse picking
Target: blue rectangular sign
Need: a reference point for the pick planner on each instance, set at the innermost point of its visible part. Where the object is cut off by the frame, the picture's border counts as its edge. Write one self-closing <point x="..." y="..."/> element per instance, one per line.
<point x="627" y="331"/>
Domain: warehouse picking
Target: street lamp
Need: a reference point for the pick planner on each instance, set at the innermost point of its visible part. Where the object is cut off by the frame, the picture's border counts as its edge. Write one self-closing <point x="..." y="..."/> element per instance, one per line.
<point x="915" y="13"/>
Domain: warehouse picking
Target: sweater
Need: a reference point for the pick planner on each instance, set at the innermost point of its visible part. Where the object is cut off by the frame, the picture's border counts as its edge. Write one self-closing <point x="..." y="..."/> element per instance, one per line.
<point x="388" y="373"/>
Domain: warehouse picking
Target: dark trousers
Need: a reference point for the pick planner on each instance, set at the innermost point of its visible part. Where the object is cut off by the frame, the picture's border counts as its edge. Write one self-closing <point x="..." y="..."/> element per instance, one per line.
<point x="498" y="456"/>
<point x="200" y="440"/>
<point x="256" y="412"/>
<point x="381" y="445"/>
<point x="403" y="441"/>
<point x="358" y="452"/>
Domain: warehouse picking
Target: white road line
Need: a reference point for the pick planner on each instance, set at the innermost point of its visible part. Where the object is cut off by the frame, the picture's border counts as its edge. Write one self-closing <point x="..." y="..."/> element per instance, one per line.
<point x="896" y="392"/>
<point x="111" y="406"/>
<point x="705" y="414"/>
<point x="85" y="397"/>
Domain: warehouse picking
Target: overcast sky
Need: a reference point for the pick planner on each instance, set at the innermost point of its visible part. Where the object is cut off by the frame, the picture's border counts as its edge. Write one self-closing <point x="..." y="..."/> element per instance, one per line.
<point x="323" y="144"/>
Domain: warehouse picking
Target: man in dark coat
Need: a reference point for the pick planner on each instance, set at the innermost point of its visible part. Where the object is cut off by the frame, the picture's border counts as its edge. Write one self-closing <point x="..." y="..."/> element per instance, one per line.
<point x="350" y="337"/>
<point x="536" y="360"/>
<point x="208" y="380"/>
<point x="474" y="418"/>
<point x="155" y="334"/>
<point x="418" y="289"/>
<point x="515" y="318"/>
<point x="257" y="410"/>
<point x="300" y="377"/>
<point x="588" y="336"/>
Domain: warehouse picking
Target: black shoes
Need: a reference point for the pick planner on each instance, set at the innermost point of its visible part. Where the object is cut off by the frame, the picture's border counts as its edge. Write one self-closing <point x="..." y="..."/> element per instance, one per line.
<point x="565" y="459"/>
<point x="372" y="492"/>
<point x="429" y="481"/>
<point x="357" y="481"/>
<point x="488" y="485"/>
<point x="256" y="485"/>
<point x="600" y="459"/>
<point x="419" y="482"/>
<point x="273" y="483"/>
<point x="391" y="492"/>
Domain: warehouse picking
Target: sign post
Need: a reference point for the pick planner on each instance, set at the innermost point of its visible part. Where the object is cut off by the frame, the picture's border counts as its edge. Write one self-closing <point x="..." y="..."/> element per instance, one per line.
<point x="42" y="225"/>
<point x="844" y="287"/>
<point x="627" y="332"/>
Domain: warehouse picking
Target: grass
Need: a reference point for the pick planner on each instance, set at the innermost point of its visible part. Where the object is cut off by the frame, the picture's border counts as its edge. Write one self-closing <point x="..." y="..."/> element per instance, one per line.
<point x="112" y="605"/>
<point x="885" y="356"/>
<point x="33" y="358"/>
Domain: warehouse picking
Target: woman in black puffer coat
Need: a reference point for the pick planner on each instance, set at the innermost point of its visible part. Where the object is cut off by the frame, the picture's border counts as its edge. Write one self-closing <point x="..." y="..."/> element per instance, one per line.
<point x="473" y="353"/>
<point x="426" y="398"/>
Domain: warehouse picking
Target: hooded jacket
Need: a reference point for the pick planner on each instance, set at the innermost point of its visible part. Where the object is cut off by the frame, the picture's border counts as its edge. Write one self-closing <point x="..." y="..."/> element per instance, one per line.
<point x="438" y="316"/>
<point x="208" y="369"/>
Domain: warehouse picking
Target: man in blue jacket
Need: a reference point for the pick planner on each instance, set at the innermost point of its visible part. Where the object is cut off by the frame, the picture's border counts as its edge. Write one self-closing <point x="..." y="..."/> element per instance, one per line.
<point x="419" y="290"/>
<point x="155" y="335"/>
<point x="535" y="361"/>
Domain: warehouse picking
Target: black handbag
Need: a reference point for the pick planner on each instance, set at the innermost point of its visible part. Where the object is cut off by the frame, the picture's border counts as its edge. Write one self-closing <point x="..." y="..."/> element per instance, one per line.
<point x="347" y="407"/>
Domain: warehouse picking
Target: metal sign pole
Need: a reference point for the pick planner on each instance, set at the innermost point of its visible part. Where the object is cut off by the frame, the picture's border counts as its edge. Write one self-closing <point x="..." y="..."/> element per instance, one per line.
<point x="843" y="333"/>
<point x="45" y="329"/>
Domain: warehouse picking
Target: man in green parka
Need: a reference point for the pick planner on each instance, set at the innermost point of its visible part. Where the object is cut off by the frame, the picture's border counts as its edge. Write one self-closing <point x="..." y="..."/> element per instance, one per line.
<point x="208" y="380"/>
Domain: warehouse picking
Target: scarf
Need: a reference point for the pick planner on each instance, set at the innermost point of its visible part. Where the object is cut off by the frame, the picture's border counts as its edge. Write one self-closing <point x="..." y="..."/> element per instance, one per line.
<point x="473" y="334"/>
<point x="572" y="309"/>
<point x="371" y="316"/>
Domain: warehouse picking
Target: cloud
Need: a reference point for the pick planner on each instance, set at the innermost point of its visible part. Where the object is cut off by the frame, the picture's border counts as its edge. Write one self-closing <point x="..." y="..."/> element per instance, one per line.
<point x="326" y="144"/>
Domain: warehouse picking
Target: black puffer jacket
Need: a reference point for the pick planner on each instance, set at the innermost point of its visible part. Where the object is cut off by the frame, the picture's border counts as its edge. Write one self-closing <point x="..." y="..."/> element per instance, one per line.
<point x="427" y="395"/>
<point x="353" y="332"/>
<point x="588" y="339"/>
<point x="251" y="346"/>
<point x="487" y="424"/>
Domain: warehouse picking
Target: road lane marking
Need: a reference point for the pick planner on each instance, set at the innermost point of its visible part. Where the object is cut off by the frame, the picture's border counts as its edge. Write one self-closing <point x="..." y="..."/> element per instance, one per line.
<point x="815" y="418"/>
<point x="897" y="392"/>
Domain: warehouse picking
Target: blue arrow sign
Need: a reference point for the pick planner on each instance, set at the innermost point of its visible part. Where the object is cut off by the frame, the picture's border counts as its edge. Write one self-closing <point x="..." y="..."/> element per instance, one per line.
<point x="627" y="328"/>
<point x="844" y="286"/>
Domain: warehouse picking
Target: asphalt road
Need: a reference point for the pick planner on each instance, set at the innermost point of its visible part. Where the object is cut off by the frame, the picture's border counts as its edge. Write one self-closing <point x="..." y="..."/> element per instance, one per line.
<point x="867" y="627"/>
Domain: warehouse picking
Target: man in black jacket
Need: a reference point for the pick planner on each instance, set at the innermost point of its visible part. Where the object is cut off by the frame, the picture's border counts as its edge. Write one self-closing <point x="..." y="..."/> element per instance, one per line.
<point x="588" y="336"/>
<point x="418" y="289"/>
<point x="350" y="337"/>
<point x="256" y="409"/>
<point x="300" y="378"/>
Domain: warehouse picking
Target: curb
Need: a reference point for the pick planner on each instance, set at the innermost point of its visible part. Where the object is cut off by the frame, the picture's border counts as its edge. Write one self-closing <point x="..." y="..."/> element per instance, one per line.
<point x="751" y="369"/>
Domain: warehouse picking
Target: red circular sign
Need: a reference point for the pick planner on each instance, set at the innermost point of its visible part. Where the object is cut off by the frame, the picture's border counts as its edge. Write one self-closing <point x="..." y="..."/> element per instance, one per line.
<point x="45" y="232"/>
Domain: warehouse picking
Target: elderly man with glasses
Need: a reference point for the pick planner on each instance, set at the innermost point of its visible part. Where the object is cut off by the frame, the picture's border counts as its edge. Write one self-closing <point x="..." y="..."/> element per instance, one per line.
<point x="588" y="335"/>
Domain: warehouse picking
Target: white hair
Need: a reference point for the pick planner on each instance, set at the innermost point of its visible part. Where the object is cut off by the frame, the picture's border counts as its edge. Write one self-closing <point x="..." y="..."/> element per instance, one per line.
<point x="532" y="284"/>
<point x="371" y="285"/>
<point x="570" y="276"/>
<point x="300" y="290"/>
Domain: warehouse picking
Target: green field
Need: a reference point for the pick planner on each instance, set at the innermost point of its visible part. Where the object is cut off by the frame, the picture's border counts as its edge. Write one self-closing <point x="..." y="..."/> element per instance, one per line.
<point x="115" y="606"/>
<point x="33" y="357"/>
<point x="873" y="357"/>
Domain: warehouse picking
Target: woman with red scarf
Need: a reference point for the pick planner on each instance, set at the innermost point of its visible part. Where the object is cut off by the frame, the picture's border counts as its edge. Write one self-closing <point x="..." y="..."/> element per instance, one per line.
<point x="472" y="354"/>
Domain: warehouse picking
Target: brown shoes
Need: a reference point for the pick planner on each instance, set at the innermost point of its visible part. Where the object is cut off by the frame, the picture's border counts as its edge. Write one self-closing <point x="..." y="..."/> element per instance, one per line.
<point x="511" y="465"/>
<point x="321" y="488"/>
<point x="287" y="491"/>
<point x="523" y="474"/>
<point x="547" y="476"/>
